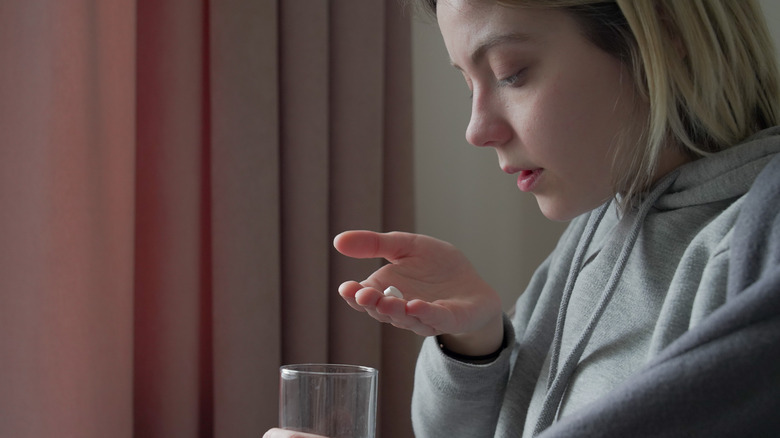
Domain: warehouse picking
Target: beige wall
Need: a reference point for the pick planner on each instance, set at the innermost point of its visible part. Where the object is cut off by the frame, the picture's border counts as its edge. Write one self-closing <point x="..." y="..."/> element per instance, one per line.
<point x="461" y="194"/>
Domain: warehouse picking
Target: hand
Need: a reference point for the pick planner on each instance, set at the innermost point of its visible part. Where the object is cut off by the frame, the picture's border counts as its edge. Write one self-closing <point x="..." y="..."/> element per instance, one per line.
<point x="443" y="295"/>
<point x="281" y="433"/>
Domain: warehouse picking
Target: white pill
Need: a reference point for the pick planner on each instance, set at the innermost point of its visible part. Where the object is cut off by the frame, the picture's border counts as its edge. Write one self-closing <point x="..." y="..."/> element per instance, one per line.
<point x="393" y="291"/>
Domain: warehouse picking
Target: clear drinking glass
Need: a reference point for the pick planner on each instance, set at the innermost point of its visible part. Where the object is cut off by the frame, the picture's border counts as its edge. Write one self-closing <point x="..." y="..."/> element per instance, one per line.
<point x="336" y="401"/>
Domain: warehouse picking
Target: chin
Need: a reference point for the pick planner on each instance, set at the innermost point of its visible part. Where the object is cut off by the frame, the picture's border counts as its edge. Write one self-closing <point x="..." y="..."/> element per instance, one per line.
<point x="557" y="211"/>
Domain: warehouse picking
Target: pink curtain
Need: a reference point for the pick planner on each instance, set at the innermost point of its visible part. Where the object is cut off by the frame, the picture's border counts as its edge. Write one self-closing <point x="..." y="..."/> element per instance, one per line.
<point x="171" y="176"/>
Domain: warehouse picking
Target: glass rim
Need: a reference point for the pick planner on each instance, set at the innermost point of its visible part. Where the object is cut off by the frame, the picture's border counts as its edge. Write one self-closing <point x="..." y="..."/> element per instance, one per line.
<point x="327" y="369"/>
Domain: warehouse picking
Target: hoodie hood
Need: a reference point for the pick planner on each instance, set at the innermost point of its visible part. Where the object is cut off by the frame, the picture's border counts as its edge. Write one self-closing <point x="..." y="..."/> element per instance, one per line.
<point x="721" y="176"/>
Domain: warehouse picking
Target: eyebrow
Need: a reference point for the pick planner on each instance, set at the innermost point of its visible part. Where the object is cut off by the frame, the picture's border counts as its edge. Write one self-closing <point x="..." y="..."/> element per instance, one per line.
<point x="493" y="41"/>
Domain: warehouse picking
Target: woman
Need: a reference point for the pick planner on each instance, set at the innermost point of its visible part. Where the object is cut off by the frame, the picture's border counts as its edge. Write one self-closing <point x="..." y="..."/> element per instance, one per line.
<point x="645" y="123"/>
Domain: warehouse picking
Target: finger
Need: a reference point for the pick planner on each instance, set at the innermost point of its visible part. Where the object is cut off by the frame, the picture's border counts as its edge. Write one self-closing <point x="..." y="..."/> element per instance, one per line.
<point x="391" y="310"/>
<point x="391" y="306"/>
<point x="368" y="244"/>
<point x="388" y="309"/>
<point x="413" y="324"/>
<point x="367" y="298"/>
<point x="395" y="309"/>
<point x="431" y="314"/>
<point x="347" y="291"/>
<point x="378" y="316"/>
<point x="421" y="329"/>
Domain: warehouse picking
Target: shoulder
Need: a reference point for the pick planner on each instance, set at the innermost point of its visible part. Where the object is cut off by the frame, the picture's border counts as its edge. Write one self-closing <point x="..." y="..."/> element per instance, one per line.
<point x="766" y="187"/>
<point x="755" y="245"/>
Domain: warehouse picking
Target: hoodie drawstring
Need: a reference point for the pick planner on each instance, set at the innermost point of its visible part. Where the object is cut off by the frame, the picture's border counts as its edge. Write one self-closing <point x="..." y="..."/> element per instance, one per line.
<point x="558" y="381"/>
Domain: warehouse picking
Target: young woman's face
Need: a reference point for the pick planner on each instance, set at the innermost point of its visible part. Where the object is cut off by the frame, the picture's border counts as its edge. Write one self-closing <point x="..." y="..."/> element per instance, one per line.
<point x="549" y="101"/>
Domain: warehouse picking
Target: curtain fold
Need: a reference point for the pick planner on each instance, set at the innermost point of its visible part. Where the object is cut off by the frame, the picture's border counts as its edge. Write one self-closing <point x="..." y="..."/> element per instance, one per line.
<point x="171" y="177"/>
<point x="304" y="130"/>
<point x="245" y="190"/>
<point x="172" y="233"/>
<point x="66" y="218"/>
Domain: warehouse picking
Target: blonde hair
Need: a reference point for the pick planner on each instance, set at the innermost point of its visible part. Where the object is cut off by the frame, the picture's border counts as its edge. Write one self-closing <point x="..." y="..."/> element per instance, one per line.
<point x="707" y="69"/>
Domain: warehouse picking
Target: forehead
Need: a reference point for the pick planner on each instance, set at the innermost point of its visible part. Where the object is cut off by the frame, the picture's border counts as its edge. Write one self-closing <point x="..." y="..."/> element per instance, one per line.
<point x="475" y="13"/>
<point x="470" y="26"/>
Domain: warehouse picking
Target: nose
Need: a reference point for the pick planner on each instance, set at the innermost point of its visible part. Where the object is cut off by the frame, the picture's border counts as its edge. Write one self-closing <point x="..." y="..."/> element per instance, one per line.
<point x="488" y="125"/>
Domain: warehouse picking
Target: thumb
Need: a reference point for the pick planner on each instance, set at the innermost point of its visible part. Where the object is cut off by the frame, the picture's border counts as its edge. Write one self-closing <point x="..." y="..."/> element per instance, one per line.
<point x="369" y="244"/>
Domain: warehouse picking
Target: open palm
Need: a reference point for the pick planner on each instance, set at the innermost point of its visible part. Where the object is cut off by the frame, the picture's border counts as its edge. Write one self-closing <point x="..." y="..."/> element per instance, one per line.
<point x="442" y="292"/>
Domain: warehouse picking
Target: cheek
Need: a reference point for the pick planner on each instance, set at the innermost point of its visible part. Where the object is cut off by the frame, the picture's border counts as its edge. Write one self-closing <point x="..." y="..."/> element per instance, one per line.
<point x="585" y="113"/>
<point x="584" y="107"/>
<point x="535" y="116"/>
<point x="550" y="124"/>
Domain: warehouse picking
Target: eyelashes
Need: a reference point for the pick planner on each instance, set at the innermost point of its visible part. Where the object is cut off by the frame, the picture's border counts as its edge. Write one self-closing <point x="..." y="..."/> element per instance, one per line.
<point x="515" y="80"/>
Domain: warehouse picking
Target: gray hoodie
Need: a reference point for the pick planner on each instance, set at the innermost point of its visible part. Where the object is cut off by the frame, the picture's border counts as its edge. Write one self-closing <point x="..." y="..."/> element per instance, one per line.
<point x="610" y="300"/>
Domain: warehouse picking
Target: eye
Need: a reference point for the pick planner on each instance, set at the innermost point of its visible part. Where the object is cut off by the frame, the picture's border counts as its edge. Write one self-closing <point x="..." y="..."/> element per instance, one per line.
<point x="471" y="89"/>
<point x="513" y="80"/>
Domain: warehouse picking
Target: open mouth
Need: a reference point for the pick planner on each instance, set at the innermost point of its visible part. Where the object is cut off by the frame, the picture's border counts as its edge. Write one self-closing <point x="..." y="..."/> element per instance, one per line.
<point x="528" y="179"/>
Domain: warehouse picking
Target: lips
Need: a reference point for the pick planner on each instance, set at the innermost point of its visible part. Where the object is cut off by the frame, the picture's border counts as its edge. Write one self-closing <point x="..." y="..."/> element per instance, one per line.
<point x="527" y="179"/>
